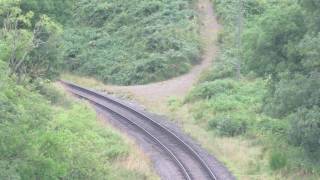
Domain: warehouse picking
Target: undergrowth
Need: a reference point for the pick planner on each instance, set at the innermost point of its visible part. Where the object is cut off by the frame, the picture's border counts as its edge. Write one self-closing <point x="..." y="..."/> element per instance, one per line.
<point x="46" y="138"/>
<point x="132" y="43"/>
<point x="231" y="107"/>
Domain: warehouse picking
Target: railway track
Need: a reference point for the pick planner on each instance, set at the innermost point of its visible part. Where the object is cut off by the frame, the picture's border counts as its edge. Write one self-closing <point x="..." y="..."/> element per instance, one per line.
<point x="190" y="163"/>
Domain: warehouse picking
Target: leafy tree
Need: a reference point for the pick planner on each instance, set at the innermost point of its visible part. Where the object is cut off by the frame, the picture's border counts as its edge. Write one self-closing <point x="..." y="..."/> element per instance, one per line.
<point x="270" y="41"/>
<point x="283" y="45"/>
<point x="59" y="10"/>
<point x="305" y="130"/>
<point x="30" y="49"/>
<point x="312" y="10"/>
<point x="292" y="93"/>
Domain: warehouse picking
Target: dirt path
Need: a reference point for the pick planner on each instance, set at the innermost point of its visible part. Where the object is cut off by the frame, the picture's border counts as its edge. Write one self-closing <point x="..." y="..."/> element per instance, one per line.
<point x="160" y="92"/>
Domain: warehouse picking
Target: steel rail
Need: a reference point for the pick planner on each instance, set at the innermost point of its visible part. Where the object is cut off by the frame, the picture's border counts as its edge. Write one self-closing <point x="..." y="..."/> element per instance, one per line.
<point x="122" y="105"/>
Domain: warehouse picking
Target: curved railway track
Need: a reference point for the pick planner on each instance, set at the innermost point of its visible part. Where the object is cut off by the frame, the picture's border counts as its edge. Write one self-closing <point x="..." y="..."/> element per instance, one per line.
<point x="190" y="163"/>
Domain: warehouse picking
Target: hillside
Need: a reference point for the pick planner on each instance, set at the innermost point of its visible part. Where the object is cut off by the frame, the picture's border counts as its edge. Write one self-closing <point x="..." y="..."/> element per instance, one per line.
<point x="132" y="43"/>
<point x="247" y="90"/>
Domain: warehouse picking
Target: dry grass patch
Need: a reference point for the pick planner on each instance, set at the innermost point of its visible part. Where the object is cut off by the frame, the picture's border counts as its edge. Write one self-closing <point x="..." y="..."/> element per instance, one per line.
<point x="136" y="160"/>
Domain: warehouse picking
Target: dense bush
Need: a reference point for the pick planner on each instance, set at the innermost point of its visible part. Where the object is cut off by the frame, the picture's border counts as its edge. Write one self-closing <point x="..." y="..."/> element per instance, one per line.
<point x="207" y="90"/>
<point x="293" y="93"/>
<point x="228" y="126"/>
<point x="129" y="43"/>
<point x="269" y="41"/>
<point x="305" y="130"/>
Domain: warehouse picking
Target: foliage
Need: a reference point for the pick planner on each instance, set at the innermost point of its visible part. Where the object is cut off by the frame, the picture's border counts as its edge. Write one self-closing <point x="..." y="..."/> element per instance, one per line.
<point x="31" y="49"/>
<point x="286" y="51"/>
<point x="43" y="135"/>
<point x="228" y="126"/>
<point x="48" y="91"/>
<point x="129" y="43"/>
<point x="207" y="90"/>
<point x="293" y="93"/>
<point x="229" y="107"/>
<point x="59" y="10"/>
<point x="42" y="142"/>
<point x="277" y="160"/>
<point x="305" y="130"/>
<point x="276" y="101"/>
<point x="269" y="41"/>
<point x="223" y="68"/>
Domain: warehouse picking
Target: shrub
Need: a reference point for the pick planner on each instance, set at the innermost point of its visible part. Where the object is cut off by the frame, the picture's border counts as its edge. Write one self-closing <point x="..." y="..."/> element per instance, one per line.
<point x="275" y="126"/>
<point x="174" y="103"/>
<point x="228" y="126"/>
<point x="292" y="93"/>
<point x="305" y="131"/>
<point x="208" y="90"/>
<point x="277" y="160"/>
<point x="222" y="68"/>
<point x="225" y="103"/>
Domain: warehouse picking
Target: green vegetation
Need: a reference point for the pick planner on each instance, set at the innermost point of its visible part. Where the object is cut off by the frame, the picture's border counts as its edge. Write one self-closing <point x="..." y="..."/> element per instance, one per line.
<point x="276" y="101"/>
<point x="132" y="43"/>
<point x="43" y="134"/>
<point x="39" y="141"/>
<point x="29" y="42"/>
<point x="115" y="41"/>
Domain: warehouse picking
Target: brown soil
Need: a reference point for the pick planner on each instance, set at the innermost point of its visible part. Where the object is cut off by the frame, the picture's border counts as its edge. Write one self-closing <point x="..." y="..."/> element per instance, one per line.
<point x="158" y="93"/>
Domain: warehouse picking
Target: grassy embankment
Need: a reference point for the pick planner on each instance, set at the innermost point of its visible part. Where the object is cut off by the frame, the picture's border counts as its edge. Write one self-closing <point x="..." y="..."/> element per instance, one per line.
<point x="44" y="136"/>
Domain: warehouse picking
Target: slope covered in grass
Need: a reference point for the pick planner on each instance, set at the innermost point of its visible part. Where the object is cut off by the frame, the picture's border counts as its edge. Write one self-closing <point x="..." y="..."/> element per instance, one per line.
<point x="132" y="43"/>
<point x="54" y="137"/>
